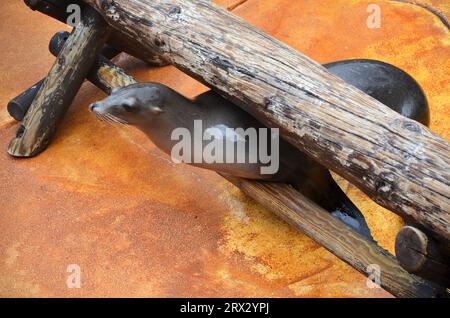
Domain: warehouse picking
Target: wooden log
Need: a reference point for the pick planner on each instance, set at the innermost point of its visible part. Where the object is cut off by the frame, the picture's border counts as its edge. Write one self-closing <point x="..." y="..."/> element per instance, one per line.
<point x="59" y="39"/>
<point x="19" y="105"/>
<point x="420" y="254"/>
<point x="57" y="9"/>
<point x="399" y="163"/>
<point x="316" y="222"/>
<point x="60" y="86"/>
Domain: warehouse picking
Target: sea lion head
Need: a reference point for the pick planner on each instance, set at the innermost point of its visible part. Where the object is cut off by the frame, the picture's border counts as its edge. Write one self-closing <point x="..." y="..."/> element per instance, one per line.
<point x="135" y="104"/>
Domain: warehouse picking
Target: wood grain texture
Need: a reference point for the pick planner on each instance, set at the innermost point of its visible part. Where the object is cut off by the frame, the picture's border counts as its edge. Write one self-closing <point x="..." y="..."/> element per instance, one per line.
<point x="60" y="86"/>
<point x="400" y="164"/>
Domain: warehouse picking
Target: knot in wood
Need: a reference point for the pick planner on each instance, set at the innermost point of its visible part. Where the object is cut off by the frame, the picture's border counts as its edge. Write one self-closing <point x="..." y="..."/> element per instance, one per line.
<point x="110" y="9"/>
<point x="174" y="11"/>
<point x="412" y="126"/>
<point x="271" y="102"/>
<point x="408" y="124"/>
<point x="384" y="185"/>
<point x="159" y="42"/>
<point x="20" y="131"/>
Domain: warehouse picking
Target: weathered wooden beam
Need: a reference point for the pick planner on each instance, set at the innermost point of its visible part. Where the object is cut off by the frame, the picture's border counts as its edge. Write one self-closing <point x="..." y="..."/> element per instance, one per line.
<point x="420" y="254"/>
<point x="19" y="105"/>
<point x="104" y="74"/>
<point x="57" y="9"/>
<point x="313" y="220"/>
<point x="399" y="163"/>
<point x="60" y="86"/>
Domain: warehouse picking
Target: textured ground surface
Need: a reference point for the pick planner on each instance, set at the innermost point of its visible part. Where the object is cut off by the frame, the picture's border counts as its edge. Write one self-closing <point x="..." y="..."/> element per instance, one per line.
<point x="137" y="225"/>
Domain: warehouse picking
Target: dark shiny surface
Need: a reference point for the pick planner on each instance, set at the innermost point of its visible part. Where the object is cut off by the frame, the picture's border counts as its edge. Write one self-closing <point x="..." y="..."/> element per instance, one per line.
<point x="386" y="83"/>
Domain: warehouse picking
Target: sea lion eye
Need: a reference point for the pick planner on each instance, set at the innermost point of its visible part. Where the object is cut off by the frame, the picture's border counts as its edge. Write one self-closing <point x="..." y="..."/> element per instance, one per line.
<point x="128" y="108"/>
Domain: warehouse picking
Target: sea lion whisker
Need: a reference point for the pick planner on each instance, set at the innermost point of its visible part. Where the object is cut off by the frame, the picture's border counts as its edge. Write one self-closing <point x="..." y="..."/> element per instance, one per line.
<point x="99" y="117"/>
<point x="117" y="119"/>
<point x="114" y="119"/>
<point x="110" y="120"/>
<point x="106" y="119"/>
<point x="121" y="121"/>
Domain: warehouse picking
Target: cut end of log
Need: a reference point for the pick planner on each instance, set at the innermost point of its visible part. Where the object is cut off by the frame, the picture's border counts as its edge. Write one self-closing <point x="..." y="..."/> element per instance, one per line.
<point x="16" y="151"/>
<point x="420" y="254"/>
<point x="15" y="110"/>
<point x="17" y="148"/>
<point x="411" y="247"/>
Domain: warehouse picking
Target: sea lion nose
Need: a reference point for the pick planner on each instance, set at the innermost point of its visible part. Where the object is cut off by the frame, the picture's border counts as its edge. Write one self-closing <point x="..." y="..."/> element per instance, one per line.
<point x="92" y="106"/>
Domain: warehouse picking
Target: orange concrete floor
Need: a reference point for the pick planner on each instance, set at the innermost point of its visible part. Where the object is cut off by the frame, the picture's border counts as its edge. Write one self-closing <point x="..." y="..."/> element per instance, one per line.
<point x="106" y="199"/>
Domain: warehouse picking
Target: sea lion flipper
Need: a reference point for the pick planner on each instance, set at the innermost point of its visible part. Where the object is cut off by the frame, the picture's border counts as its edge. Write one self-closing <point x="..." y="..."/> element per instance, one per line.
<point x="346" y="211"/>
<point x="320" y="187"/>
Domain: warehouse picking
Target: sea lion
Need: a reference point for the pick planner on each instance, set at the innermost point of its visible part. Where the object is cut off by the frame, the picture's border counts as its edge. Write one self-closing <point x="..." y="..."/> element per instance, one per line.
<point x="157" y="110"/>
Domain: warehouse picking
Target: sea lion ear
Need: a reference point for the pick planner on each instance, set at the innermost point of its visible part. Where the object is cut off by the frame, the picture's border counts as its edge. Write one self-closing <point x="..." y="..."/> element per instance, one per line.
<point x="156" y="110"/>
